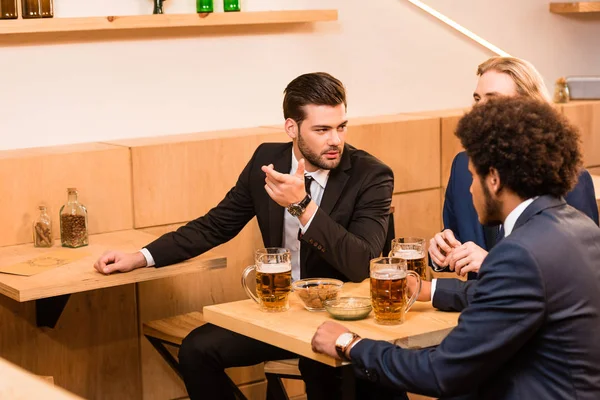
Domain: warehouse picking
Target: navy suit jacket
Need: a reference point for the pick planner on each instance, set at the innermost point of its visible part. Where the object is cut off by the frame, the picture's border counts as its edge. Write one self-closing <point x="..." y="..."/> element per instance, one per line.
<point x="460" y="215"/>
<point x="528" y="328"/>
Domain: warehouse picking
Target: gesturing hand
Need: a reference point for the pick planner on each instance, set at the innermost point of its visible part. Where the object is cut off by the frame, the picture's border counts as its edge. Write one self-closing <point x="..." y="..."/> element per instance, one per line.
<point x="285" y="189"/>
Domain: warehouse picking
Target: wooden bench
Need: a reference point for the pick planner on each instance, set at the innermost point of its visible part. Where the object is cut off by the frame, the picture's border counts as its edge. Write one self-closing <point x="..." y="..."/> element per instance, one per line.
<point x="172" y="331"/>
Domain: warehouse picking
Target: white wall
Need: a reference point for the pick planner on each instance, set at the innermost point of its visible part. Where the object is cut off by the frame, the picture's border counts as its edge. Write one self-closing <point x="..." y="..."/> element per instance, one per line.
<point x="392" y="57"/>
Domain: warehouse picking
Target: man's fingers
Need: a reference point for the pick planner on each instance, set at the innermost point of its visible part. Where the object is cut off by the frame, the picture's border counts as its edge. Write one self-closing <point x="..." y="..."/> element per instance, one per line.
<point x="274" y="175"/>
<point x="461" y="264"/>
<point x="273" y="186"/>
<point x="441" y="243"/>
<point x="301" y="168"/>
<point x="450" y="239"/>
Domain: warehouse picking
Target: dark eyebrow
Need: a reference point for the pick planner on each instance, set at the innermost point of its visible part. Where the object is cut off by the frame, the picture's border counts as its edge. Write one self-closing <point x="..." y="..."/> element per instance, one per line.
<point x="315" y="127"/>
<point x="343" y="123"/>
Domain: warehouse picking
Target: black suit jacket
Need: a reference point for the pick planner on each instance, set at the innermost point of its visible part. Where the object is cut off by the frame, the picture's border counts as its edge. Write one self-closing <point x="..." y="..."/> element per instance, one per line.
<point x="348" y="230"/>
<point x="529" y="329"/>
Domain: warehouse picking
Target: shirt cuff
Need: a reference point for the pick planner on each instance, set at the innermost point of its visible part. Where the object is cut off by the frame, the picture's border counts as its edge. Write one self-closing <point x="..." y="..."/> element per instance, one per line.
<point x="148" y="257"/>
<point x="304" y="228"/>
<point x="433" y="285"/>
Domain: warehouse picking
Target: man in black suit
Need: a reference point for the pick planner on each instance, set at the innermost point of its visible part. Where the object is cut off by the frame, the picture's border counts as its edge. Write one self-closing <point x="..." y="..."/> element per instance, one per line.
<point x="528" y="323"/>
<point x="337" y="200"/>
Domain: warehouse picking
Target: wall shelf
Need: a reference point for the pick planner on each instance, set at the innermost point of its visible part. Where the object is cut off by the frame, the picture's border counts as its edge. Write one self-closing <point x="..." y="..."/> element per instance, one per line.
<point x="578" y="7"/>
<point x="164" y="21"/>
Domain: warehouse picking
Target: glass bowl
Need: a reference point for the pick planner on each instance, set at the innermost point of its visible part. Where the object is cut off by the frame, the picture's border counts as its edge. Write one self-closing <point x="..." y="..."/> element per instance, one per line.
<point x="314" y="291"/>
<point x="349" y="308"/>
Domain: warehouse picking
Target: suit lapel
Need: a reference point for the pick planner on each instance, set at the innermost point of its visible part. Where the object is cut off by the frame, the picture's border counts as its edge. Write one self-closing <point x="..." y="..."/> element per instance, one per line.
<point x="282" y="164"/>
<point x="336" y="182"/>
<point x="539" y="205"/>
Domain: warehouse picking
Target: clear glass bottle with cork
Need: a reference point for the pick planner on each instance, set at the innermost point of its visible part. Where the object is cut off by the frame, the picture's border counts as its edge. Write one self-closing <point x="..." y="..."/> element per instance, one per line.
<point x="73" y="222"/>
<point x="42" y="229"/>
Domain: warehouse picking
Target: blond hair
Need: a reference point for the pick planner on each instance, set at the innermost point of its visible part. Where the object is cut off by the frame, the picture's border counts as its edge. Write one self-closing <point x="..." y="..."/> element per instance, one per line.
<point x="527" y="79"/>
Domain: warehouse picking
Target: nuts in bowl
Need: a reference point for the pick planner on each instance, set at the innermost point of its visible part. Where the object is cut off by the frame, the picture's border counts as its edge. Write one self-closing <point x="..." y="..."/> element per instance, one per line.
<point x="314" y="291"/>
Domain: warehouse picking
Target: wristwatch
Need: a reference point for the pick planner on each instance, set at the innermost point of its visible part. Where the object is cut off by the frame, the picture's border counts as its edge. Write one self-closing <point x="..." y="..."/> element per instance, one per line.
<point x="343" y="342"/>
<point x="297" y="209"/>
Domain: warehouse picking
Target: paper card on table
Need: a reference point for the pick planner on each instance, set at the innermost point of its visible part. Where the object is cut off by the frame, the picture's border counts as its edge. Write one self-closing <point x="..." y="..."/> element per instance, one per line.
<point x="44" y="262"/>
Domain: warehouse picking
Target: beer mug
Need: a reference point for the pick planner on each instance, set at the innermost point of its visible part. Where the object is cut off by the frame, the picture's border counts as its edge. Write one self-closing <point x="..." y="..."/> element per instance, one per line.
<point x="389" y="289"/>
<point x="413" y="250"/>
<point x="273" y="268"/>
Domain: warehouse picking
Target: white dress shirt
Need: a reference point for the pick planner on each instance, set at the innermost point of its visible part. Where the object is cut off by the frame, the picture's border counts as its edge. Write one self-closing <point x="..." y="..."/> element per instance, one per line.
<point x="509" y="224"/>
<point x="291" y="224"/>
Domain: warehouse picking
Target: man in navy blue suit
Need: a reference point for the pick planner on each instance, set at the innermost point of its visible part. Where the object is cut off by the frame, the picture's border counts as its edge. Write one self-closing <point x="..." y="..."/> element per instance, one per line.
<point x="527" y="325"/>
<point x="464" y="243"/>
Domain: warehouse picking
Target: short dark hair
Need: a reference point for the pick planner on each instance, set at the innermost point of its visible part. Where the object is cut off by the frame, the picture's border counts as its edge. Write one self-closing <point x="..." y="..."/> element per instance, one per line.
<point x="318" y="88"/>
<point x="535" y="150"/>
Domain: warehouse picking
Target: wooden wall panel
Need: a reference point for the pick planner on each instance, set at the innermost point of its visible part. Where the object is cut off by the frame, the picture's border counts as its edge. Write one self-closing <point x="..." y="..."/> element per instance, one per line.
<point x="93" y="351"/>
<point x="586" y="116"/>
<point x="178" y="178"/>
<point x="31" y="177"/>
<point x="174" y="296"/>
<point x="450" y="145"/>
<point x="417" y="213"/>
<point x="410" y="145"/>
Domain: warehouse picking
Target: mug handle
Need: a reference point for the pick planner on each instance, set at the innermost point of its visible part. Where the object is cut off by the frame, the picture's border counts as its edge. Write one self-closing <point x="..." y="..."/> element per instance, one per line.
<point x="245" y="274"/>
<point x="413" y="298"/>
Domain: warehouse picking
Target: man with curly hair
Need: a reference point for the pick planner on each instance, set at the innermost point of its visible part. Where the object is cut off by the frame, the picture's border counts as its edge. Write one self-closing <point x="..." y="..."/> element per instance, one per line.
<point x="526" y="326"/>
<point x="464" y="242"/>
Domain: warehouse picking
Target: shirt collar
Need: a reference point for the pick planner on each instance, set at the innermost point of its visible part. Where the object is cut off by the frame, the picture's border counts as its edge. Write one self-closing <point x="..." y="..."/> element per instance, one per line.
<point x="320" y="176"/>
<point x="511" y="219"/>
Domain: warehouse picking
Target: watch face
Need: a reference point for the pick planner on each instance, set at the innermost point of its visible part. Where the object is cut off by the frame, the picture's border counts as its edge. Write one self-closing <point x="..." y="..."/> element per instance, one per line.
<point x="295" y="210"/>
<point x="344" y="339"/>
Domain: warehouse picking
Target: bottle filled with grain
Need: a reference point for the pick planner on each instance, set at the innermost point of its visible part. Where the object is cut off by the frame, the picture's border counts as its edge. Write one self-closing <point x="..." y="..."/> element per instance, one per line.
<point x="73" y="222"/>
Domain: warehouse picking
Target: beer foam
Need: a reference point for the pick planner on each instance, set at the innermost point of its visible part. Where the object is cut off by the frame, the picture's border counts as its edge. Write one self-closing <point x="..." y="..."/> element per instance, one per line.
<point x="388" y="274"/>
<point x="274" y="268"/>
<point x="409" y="254"/>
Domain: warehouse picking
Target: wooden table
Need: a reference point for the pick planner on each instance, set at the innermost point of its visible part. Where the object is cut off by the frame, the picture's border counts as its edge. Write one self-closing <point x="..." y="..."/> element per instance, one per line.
<point x="18" y="384"/>
<point x="80" y="276"/>
<point x="293" y="330"/>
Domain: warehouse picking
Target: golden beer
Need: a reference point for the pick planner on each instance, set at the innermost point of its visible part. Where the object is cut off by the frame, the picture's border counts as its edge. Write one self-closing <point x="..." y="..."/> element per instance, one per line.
<point x="415" y="261"/>
<point x="273" y="266"/>
<point x="389" y="294"/>
<point x="273" y="286"/>
<point x="414" y="252"/>
<point x="389" y="289"/>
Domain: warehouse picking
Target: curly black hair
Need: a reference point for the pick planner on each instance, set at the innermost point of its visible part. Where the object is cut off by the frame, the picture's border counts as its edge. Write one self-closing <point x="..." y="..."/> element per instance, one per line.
<point x="535" y="150"/>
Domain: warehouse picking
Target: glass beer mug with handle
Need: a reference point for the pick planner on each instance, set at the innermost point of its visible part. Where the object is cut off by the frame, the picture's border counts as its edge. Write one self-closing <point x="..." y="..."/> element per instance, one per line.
<point x="413" y="250"/>
<point x="389" y="289"/>
<point x="273" y="267"/>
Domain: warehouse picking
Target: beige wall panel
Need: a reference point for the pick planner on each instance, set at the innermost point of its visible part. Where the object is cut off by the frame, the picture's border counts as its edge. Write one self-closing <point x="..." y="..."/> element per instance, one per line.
<point x="450" y="145"/>
<point x="417" y="213"/>
<point x="93" y="351"/>
<point x="586" y="116"/>
<point x="30" y="177"/>
<point x="410" y="145"/>
<point x="175" y="296"/>
<point x="181" y="177"/>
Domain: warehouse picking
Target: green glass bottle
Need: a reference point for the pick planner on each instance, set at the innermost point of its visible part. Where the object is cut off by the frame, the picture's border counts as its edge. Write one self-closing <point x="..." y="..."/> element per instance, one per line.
<point x="204" y="6"/>
<point x="231" y="5"/>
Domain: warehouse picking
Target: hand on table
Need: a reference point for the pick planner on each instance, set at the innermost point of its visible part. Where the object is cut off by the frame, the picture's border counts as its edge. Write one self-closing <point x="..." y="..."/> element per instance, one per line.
<point x="116" y="261"/>
<point x="424" y="294"/>
<point x="465" y="258"/>
<point x="324" y="339"/>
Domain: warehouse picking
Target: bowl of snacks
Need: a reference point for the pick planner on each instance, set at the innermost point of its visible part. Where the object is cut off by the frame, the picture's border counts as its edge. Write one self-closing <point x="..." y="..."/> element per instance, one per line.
<point x="349" y="308"/>
<point x="314" y="291"/>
